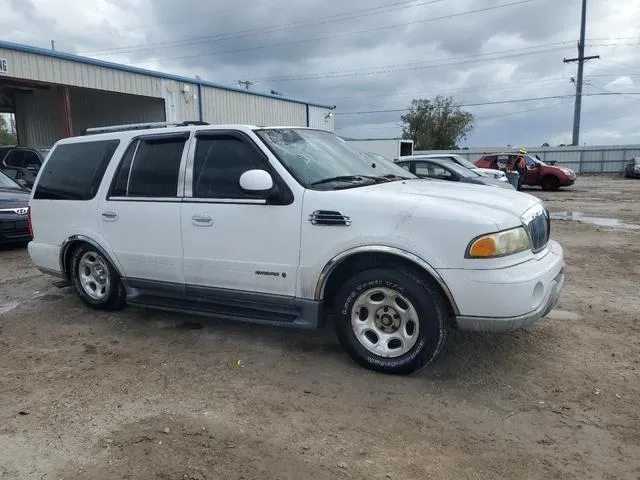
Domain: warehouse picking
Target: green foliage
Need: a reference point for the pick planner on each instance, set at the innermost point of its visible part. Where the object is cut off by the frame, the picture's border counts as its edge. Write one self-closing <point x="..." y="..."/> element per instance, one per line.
<point x="6" y="138"/>
<point x="437" y="124"/>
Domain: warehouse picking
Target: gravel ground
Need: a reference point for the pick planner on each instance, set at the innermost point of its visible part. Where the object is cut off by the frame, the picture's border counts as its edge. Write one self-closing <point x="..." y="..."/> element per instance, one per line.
<point x="151" y="395"/>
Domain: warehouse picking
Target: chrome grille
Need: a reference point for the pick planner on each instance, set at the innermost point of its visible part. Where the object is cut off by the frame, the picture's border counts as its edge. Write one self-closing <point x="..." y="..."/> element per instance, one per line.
<point x="539" y="227"/>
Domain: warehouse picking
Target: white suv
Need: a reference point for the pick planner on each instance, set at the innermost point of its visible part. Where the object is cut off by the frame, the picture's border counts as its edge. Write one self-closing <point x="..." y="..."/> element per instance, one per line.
<point x="289" y="226"/>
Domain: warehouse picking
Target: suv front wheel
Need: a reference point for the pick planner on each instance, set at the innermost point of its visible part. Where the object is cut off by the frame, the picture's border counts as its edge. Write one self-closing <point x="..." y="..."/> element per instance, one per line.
<point x="95" y="279"/>
<point x="391" y="321"/>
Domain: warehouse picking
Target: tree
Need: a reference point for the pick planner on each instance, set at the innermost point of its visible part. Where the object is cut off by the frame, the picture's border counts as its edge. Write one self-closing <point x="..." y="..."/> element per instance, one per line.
<point x="6" y="137"/>
<point x="437" y="124"/>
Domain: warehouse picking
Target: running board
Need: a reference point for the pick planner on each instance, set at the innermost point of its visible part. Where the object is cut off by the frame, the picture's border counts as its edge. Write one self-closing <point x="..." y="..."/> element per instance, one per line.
<point x="228" y="305"/>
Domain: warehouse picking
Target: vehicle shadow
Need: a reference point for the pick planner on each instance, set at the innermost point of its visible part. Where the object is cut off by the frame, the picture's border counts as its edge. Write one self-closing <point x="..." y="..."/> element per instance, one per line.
<point x="13" y="246"/>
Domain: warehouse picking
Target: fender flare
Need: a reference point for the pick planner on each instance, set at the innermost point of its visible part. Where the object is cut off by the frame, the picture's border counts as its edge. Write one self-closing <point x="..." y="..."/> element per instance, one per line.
<point x="419" y="262"/>
<point x="83" y="238"/>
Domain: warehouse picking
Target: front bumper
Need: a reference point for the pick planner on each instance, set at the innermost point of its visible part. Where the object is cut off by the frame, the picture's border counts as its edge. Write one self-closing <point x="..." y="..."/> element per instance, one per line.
<point x="507" y="298"/>
<point x="14" y="228"/>
<point x="488" y="324"/>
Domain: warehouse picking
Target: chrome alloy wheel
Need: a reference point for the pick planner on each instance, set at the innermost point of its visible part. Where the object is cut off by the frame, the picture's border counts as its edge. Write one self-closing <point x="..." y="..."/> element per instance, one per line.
<point x="385" y="322"/>
<point x="94" y="275"/>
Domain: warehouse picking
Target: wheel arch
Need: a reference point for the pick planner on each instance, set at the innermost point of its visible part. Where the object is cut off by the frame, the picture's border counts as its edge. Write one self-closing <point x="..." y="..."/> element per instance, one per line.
<point x="350" y="261"/>
<point x="71" y="243"/>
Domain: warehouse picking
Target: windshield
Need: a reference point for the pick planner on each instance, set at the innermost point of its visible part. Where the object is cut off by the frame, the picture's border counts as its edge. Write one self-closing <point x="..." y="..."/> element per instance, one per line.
<point x="465" y="163"/>
<point x="459" y="169"/>
<point x="534" y="160"/>
<point x="314" y="156"/>
<point x="6" y="182"/>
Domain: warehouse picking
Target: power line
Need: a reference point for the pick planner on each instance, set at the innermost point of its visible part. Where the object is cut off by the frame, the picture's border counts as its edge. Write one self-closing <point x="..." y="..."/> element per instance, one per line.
<point x="543" y="107"/>
<point x="490" y="87"/>
<point x="420" y="65"/>
<point x="499" y="102"/>
<point x="347" y="34"/>
<point x="263" y="30"/>
<point x="624" y="95"/>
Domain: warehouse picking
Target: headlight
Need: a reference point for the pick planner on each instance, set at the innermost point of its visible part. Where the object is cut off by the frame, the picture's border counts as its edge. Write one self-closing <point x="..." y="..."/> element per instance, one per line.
<point x="567" y="171"/>
<point x="499" y="244"/>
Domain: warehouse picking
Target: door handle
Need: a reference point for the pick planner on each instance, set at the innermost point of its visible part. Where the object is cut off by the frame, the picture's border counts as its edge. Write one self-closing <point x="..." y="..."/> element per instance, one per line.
<point x="109" y="216"/>
<point x="202" y="220"/>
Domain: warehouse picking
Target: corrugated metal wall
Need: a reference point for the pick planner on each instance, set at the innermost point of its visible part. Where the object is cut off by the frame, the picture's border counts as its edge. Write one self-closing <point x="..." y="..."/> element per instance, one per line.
<point x="222" y="107"/>
<point x="181" y="101"/>
<point x="318" y="118"/>
<point x="92" y="108"/>
<point x="596" y="159"/>
<point x="38" y="118"/>
<point x="30" y="66"/>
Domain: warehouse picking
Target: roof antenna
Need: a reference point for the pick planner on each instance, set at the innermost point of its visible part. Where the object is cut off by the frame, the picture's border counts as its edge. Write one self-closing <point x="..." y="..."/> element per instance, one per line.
<point x="53" y="45"/>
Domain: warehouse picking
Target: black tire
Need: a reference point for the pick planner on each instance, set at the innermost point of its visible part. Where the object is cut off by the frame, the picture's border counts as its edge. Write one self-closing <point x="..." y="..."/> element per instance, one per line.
<point x="429" y="304"/>
<point x="550" y="183"/>
<point x="114" y="297"/>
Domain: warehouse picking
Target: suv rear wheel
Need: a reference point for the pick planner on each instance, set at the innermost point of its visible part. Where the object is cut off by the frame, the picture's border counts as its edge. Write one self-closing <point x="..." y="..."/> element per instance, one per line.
<point x="391" y="321"/>
<point x="95" y="279"/>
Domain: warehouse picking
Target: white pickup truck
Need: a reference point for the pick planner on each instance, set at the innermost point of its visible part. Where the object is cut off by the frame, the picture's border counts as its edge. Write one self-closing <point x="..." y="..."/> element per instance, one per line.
<point x="290" y="226"/>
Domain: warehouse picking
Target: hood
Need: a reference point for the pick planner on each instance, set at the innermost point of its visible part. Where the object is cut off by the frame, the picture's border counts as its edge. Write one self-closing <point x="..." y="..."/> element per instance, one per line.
<point x="11" y="198"/>
<point x="462" y="196"/>
<point x="489" y="172"/>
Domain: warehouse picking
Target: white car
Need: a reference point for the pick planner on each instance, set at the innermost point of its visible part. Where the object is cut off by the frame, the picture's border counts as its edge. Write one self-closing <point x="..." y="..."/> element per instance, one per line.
<point x="460" y="160"/>
<point x="290" y="226"/>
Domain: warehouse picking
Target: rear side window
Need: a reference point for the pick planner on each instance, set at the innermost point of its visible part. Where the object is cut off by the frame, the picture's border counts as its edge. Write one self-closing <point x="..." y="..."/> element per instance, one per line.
<point x="150" y="168"/>
<point x="74" y="170"/>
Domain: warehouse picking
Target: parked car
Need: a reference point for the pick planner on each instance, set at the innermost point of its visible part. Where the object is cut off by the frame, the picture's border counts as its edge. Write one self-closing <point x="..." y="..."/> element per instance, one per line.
<point x="446" y="169"/>
<point x="14" y="203"/>
<point x="460" y="160"/>
<point x="538" y="173"/>
<point x="632" y="169"/>
<point x="290" y="227"/>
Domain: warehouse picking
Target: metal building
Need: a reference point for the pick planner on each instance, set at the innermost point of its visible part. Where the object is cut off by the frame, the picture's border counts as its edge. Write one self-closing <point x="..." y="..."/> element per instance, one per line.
<point x="55" y="95"/>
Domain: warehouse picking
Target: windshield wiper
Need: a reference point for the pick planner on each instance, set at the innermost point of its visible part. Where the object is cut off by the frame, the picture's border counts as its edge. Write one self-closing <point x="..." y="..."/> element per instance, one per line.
<point x="344" y="178"/>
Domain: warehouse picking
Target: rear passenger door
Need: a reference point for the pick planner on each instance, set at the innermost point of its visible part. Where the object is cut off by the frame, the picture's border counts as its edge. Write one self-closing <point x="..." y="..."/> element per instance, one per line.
<point x="140" y="217"/>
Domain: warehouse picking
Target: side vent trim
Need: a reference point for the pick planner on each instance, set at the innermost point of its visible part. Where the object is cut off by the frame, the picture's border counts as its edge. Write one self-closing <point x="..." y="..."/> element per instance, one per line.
<point x="329" y="218"/>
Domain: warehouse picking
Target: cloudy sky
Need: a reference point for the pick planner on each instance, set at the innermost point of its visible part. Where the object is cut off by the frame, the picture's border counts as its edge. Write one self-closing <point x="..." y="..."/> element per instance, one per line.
<point x="375" y="56"/>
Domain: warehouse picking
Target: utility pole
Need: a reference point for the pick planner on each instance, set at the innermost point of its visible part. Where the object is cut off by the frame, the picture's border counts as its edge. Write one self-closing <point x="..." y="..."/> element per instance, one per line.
<point x="581" y="59"/>
<point x="245" y="83"/>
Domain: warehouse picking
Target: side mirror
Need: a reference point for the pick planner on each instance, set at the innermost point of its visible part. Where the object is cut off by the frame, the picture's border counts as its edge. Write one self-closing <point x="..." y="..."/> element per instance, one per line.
<point x="22" y="182"/>
<point x="256" y="181"/>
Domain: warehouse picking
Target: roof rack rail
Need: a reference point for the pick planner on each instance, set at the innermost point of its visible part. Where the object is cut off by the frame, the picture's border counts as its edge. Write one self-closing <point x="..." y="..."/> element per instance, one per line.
<point x="139" y="126"/>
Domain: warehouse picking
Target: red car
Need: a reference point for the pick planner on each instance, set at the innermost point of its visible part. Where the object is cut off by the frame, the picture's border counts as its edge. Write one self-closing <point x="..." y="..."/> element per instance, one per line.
<point x="538" y="173"/>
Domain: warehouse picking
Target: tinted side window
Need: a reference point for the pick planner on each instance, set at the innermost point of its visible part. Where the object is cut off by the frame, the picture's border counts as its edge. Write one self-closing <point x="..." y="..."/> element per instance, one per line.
<point x="121" y="179"/>
<point x="219" y="162"/>
<point x="74" y="170"/>
<point x="153" y="171"/>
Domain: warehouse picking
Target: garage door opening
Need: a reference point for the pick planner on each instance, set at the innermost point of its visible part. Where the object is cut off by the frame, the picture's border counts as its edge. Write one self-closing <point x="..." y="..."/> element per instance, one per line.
<point x="45" y="113"/>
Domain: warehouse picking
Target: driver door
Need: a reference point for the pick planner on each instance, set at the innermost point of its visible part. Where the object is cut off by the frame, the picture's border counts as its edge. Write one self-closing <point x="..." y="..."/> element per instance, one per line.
<point x="532" y="176"/>
<point x="232" y="239"/>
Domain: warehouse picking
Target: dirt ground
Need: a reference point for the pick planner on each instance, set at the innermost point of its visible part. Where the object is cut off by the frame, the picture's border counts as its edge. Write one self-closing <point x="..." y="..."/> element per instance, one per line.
<point x="153" y="395"/>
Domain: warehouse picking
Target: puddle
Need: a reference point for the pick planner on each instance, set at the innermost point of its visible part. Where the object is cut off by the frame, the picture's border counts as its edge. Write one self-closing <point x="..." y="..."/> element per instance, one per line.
<point x="7" y="307"/>
<point x="563" y="315"/>
<point x="598" y="221"/>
